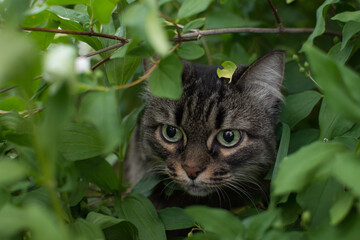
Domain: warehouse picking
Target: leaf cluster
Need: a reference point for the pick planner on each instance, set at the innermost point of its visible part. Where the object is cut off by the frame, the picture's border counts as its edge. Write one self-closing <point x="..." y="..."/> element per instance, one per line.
<point x="67" y="112"/>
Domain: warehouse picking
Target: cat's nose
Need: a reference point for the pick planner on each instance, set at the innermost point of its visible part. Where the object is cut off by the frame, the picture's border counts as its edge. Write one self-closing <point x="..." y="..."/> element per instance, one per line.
<point x="193" y="171"/>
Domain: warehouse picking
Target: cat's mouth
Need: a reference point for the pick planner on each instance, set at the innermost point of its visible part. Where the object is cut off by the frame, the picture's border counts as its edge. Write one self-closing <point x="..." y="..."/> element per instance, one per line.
<point x="197" y="191"/>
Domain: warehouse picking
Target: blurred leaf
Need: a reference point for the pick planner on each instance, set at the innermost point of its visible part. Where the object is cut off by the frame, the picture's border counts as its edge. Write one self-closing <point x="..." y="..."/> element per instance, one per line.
<point x="78" y="193"/>
<point x="341" y="207"/>
<point x="155" y="33"/>
<point x="100" y="109"/>
<point x="320" y="20"/>
<point x="346" y="170"/>
<point x="227" y="71"/>
<point x="330" y="123"/>
<point x="260" y="223"/>
<point x="12" y="103"/>
<point x="79" y="141"/>
<point x="298" y="106"/>
<point x="194" y="24"/>
<point x="63" y="2"/>
<point x="318" y="199"/>
<point x="139" y="210"/>
<point x="99" y="172"/>
<point x="11" y="172"/>
<point x="191" y="7"/>
<point x="165" y="81"/>
<point x="190" y="51"/>
<point x="103" y="9"/>
<point x="339" y="83"/>
<point x="87" y="229"/>
<point x="307" y="165"/>
<point x="70" y="14"/>
<point x="175" y="218"/>
<point x="38" y="221"/>
<point x="218" y="221"/>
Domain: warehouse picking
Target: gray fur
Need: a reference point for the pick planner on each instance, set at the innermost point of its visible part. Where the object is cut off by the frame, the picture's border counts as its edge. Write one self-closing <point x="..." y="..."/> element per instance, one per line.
<point x="250" y="103"/>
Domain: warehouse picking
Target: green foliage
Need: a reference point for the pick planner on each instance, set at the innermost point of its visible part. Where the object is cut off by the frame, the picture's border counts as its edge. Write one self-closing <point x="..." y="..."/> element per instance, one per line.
<point x="65" y="127"/>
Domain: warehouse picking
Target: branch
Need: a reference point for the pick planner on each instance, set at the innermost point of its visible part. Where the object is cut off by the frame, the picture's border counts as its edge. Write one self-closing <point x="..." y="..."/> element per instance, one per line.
<point x="91" y="34"/>
<point x="276" y="14"/>
<point x="200" y="33"/>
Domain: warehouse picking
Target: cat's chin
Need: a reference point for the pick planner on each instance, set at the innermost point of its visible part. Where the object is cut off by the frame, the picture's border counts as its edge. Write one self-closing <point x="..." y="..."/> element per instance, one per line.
<point x="197" y="191"/>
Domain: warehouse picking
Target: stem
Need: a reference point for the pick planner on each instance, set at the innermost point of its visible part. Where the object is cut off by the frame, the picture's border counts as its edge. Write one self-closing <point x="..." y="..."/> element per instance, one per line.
<point x="276" y="14"/>
<point x="90" y="34"/>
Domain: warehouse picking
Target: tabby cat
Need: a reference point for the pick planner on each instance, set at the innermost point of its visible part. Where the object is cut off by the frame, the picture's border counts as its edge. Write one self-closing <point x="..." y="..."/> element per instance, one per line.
<point x="217" y="142"/>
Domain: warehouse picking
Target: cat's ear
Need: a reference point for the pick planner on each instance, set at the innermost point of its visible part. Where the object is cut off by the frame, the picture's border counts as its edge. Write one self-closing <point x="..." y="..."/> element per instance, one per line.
<point x="263" y="80"/>
<point x="264" y="77"/>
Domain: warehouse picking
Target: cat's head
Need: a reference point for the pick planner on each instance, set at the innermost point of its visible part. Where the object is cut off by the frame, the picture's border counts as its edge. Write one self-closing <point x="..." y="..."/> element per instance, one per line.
<point x="217" y="135"/>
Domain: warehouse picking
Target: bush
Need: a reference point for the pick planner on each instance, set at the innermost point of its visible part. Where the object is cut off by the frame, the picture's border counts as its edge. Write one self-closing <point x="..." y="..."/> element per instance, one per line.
<point x="71" y="78"/>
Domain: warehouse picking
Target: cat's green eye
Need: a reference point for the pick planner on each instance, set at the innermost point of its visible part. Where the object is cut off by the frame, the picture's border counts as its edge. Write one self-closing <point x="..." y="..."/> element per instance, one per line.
<point x="229" y="138"/>
<point x="171" y="134"/>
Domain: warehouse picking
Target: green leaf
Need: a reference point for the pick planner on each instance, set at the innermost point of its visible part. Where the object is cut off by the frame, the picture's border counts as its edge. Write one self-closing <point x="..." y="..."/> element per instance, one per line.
<point x="306" y="166"/>
<point x="192" y="7"/>
<point x="190" y="51"/>
<point x="100" y="109"/>
<point x="341" y="54"/>
<point x="90" y="231"/>
<point x="194" y="24"/>
<point x="175" y="218"/>
<point x="339" y="84"/>
<point x="99" y="172"/>
<point x="227" y="71"/>
<point x="320" y="20"/>
<point x="341" y="207"/>
<point x="155" y="33"/>
<point x="80" y="141"/>
<point x="165" y="81"/>
<point x="298" y="106"/>
<point x="349" y="30"/>
<point x="120" y="70"/>
<point x="346" y="170"/>
<point x="103" y="9"/>
<point x="218" y="221"/>
<point x="260" y="223"/>
<point x="146" y="185"/>
<point x="301" y="138"/>
<point x="139" y="210"/>
<point x="11" y="172"/>
<point x="283" y="148"/>
<point x="347" y="16"/>
<point x="330" y="123"/>
<point x="114" y="228"/>
<point x="12" y="103"/>
<point x="65" y="2"/>
<point x="318" y="198"/>
<point x="70" y="14"/>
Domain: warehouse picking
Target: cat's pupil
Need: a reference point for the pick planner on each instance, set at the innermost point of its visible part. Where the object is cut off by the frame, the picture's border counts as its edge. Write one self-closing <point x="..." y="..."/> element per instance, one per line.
<point x="171" y="131"/>
<point x="228" y="136"/>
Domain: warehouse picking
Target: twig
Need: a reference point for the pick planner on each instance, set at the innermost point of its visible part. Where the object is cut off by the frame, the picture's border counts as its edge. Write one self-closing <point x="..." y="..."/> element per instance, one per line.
<point x="197" y="35"/>
<point x="91" y="34"/>
<point x="118" y="45"/>
<point x="7" y="89"/>
<point x="276" y="14"/>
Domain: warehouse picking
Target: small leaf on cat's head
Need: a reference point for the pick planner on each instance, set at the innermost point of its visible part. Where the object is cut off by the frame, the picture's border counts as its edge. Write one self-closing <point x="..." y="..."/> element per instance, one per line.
<point x="227" y="71"/>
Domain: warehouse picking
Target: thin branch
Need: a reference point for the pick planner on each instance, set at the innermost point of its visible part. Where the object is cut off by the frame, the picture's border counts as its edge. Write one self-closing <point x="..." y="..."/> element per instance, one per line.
<point x="7" y="89"/>
<point x="118" y="45"/>
<point x="276" y="14"/>
<point x="199" y="34"/>
<point x="91" y="34"/>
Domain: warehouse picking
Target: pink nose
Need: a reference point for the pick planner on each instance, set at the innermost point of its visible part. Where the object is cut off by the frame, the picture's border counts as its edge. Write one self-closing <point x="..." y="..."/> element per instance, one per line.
<point x="193" y="171"/>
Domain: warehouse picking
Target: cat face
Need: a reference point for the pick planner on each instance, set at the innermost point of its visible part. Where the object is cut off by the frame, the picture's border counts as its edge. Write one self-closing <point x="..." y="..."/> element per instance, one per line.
<point x="217" y="135"/>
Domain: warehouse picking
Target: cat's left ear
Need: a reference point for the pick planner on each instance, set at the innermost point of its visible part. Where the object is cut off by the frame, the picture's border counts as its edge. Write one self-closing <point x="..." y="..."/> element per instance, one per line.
<point x="263" y="78"/>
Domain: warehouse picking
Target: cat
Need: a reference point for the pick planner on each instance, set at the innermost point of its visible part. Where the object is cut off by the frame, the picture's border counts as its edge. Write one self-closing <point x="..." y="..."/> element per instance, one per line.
<point x="217" y="142"/>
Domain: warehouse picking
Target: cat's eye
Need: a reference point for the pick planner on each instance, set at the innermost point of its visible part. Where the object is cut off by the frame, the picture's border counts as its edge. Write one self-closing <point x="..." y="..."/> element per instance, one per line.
<point x="229" y="138"/>
<point x="171" y="133"/>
